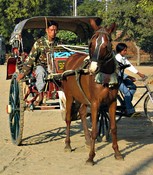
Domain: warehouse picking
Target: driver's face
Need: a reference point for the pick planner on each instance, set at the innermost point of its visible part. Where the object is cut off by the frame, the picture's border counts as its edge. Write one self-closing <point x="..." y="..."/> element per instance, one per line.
<point x="51" y="32"/>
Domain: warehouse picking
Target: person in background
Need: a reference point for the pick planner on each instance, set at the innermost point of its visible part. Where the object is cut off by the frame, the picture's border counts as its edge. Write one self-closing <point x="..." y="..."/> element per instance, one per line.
<point x="41" y="57"/>
<point x="127" y="86"/>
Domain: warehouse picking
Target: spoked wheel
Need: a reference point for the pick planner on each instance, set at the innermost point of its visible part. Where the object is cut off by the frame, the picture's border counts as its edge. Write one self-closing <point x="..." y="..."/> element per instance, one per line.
<point x="120" y="109"/>
<point x="16" y="110"/>
<point x="103" y="125"/>
<point x="148" y="107"/>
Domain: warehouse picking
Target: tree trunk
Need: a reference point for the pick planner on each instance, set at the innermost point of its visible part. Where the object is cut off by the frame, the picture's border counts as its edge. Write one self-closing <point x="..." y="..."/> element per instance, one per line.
<point x="138" y="54"/>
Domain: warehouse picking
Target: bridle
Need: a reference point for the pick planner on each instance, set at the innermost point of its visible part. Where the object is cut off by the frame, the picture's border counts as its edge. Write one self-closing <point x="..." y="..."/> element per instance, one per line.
<point x="99" y="42"/>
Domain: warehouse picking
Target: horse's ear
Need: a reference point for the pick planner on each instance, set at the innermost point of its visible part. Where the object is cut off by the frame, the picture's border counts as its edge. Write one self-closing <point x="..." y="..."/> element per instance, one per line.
<point x="93" y="24"/>
<point x="112" y="28"/>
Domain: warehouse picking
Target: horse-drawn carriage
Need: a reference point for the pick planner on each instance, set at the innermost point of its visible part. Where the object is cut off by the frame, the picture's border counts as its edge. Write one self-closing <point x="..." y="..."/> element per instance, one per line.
<point x="24" y="93"/>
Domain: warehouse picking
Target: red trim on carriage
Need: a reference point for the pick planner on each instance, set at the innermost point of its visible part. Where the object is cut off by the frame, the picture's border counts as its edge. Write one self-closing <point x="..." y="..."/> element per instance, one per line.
<point x="11" y="67"/>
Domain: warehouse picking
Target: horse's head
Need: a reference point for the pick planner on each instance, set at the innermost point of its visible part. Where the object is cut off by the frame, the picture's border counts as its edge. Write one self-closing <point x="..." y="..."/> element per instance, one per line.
<point x="100" y="47"/>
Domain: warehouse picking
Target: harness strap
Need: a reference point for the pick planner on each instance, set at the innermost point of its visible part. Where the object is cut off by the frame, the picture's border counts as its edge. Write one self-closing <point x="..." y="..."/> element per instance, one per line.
<point x="78" y="75"/>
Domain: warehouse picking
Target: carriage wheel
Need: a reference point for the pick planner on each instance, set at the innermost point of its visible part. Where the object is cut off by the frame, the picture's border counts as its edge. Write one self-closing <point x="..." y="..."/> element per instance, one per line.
<point x="16" y="110"/>
<point x="120" y="109"/>
<point x="103" y="125"/>
<point x="148" y="107"/>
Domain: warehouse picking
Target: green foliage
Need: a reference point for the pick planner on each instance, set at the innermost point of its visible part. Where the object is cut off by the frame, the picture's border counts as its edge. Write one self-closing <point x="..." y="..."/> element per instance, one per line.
<point x="13" y="11"/>
<point x="67" y="37"/>
<point x="134" y="18"/>
<point x="90" y="8"/>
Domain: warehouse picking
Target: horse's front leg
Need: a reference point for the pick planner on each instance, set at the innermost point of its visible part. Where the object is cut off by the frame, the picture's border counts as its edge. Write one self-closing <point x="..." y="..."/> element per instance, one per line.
<point x="94" y="110"/>
<point x="112" y="113"/>
<point x="68" y="123"/>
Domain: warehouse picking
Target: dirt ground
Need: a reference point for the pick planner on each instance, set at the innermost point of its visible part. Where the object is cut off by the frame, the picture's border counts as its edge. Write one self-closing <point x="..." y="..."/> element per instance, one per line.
<point x="42" y="150"/>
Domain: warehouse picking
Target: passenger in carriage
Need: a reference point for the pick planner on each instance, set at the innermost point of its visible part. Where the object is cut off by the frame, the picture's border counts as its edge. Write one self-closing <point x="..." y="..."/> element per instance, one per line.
<point x="127" y="86"/>
<point x="41" y="58"/>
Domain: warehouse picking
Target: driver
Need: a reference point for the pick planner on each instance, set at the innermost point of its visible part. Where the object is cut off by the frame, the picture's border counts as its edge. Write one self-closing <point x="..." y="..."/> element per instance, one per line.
<point x="41" y="57"/>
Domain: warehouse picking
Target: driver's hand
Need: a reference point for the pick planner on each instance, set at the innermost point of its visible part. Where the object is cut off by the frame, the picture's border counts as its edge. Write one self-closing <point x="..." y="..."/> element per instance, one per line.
<point x="20" y="76"/>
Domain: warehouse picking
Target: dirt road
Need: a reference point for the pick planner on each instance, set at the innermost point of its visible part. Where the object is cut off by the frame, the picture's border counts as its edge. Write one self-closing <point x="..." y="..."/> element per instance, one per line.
<point x="42" y="150"/>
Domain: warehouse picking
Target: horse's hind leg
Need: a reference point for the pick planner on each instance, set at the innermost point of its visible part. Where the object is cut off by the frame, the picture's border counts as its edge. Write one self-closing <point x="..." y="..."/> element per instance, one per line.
<point x="112" y="112"/>
<point x="69" y="101"/>
<point x="83" y="115"/>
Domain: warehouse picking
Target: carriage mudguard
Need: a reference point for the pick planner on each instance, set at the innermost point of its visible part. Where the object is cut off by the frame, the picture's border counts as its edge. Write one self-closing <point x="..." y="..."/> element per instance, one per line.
<point x="11" y="67"/>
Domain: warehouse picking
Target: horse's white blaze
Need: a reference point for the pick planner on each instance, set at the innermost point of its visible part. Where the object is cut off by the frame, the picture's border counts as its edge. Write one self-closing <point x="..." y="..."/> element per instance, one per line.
<point x="99" y="45"/>
<point x="93" y="66"/>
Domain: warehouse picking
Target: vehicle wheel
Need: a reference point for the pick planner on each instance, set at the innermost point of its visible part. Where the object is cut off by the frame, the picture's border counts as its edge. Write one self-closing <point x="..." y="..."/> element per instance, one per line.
<point x="16" y="113"/>
<point x="103" y="126"/>
<point x="120" y="108"/>
<point x="148" y="107"/>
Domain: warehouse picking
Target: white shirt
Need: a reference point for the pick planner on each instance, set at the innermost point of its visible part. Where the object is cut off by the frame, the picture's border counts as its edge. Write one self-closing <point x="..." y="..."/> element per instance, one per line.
<point x="125" y="61"/>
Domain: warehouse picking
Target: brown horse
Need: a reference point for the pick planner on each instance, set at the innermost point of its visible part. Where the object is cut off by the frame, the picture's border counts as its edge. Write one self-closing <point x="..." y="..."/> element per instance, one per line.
<point x="83" y="88"/>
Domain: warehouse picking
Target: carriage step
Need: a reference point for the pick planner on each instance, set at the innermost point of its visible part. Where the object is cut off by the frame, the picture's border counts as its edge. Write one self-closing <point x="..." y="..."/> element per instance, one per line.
<point x="47" y="107"/>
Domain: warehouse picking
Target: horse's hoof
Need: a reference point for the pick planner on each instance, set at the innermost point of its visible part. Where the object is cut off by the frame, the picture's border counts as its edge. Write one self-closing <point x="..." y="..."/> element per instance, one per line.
<point x="90" y="162"/>
<point x="68" y="149"/>
<point x="118" y="156"/>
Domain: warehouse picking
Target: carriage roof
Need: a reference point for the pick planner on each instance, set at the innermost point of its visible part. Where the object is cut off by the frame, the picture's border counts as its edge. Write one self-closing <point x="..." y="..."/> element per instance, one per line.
<point x="79" y="25"/>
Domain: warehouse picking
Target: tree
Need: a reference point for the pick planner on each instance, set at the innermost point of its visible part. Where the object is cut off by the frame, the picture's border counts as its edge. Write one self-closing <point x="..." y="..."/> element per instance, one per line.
<point x="135" y="18"/>
<point x="146" y="40"/>
<point x="13" y="11"/>
<point x="90" y="8"/>
<point x="67" y="37"/>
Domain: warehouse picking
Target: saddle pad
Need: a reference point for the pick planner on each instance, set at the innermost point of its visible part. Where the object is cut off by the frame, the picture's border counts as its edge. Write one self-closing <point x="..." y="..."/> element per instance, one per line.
<point x="110" y="79"/>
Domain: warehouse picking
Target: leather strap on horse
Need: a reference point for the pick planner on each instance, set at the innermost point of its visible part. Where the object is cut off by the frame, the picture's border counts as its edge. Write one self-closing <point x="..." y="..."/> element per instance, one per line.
<point x="78" y="75"/>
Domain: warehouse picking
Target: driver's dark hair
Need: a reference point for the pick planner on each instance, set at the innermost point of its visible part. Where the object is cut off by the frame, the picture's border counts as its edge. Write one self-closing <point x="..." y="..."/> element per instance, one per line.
<point x="51" y="22"/>
<point x="120" y="47"/>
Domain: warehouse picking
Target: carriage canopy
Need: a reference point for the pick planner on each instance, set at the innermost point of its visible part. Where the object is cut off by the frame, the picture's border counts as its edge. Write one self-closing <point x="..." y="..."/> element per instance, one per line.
<point x="79" y="25"/>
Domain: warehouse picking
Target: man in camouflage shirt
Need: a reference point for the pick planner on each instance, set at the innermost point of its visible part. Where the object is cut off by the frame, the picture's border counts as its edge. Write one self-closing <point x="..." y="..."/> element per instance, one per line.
<point x="40" y="57"/>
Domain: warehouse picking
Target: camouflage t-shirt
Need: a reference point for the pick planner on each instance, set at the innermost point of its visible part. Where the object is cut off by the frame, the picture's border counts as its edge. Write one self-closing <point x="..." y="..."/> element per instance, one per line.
<point x="40" y="52"/>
